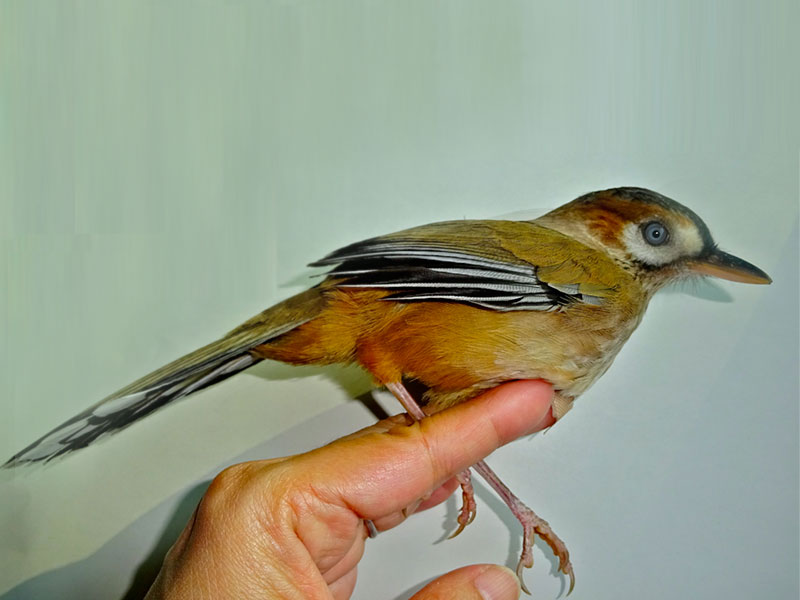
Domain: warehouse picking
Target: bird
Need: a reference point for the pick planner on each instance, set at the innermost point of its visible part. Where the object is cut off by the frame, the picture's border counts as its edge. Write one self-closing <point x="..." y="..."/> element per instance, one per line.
<point x="454" y="308"/>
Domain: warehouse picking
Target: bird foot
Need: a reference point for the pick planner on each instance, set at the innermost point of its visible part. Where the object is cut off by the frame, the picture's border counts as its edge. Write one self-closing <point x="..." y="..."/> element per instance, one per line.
<point x="532" y="525"/>
<point x="469" y="507"/>
<point x="530" y="521"/>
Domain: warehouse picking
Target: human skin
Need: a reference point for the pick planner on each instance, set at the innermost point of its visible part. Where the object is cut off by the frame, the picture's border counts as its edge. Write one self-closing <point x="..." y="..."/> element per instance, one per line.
<point x="293" y="527"/>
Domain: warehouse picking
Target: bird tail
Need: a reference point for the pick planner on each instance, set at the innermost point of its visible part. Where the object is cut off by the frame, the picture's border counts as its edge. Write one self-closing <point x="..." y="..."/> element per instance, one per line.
<point x="195" y="371"/>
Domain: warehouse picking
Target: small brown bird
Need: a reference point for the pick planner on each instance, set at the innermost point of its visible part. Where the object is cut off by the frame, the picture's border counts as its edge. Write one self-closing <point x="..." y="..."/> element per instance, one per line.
<point x="457" y="307"/>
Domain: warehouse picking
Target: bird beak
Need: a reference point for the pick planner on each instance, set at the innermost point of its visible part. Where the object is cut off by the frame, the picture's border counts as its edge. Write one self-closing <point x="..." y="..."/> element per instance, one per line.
<point x="727" y="266"/>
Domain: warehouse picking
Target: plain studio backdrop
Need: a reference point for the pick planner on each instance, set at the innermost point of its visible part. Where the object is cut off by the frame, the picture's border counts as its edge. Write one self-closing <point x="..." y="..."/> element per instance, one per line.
<point x="167" y="169"/>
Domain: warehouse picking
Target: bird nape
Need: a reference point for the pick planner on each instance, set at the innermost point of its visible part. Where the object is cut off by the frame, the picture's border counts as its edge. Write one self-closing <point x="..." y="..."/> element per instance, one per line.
<point x="460" y="307"/>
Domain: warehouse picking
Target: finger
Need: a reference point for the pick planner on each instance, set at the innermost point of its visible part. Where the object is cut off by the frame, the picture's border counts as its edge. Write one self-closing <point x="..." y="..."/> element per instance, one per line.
<point x="381" y="426"/>
<point x="389" y="521"/>
<point x="439" y="495"/>
<point x="346" y="560"/>
<point x="477" y="582"/>
<point x="381" y="473"/>
<point x="342" y="588"/>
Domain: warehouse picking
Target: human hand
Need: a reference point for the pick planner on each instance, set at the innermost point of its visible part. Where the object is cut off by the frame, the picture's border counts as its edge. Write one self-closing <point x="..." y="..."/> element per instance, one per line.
<point x="294" y="527"/>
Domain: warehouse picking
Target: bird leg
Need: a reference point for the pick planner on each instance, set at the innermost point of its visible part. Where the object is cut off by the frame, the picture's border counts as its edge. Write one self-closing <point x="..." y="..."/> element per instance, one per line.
<point x="468" y="505"/>
<point x="530" y="521"/>
<point x="531" y="524"/>
<point x="407" y="400"/>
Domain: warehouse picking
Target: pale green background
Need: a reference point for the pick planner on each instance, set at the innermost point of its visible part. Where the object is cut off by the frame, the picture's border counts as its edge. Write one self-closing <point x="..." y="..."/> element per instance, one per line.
<point x="168" y="168"/>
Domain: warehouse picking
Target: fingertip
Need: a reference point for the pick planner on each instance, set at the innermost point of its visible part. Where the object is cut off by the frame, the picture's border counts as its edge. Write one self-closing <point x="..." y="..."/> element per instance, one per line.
<point x="478" y="582"/>
<point x="439" y="495"/>
<point x="497" y="583"/>
<point x="520" y="407"/>
<point x="410" y="461"/>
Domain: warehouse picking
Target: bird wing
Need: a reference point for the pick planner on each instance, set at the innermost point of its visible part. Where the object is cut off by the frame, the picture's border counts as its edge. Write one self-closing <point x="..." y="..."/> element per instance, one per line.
<point x="498" y="265"/>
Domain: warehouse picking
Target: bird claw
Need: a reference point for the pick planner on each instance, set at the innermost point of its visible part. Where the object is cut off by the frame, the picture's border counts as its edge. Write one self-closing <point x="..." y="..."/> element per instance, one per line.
<point x="532" y="525"/>
<point x="469" y="507"/>
<point x="526" y="558"/>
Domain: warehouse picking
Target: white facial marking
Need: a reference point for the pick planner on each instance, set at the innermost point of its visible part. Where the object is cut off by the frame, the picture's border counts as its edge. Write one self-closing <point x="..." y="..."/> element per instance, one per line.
<point x="690" y="239"/>
<point x="684" y="240"/>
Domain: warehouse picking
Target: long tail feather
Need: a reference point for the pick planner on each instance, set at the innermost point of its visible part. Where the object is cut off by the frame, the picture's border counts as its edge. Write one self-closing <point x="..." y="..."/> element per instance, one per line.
<point x="118" y="412"/>
<point x="186" y="375"/>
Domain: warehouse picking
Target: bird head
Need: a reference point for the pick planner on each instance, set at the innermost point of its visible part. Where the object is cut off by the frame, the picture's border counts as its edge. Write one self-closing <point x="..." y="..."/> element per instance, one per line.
<point x="655" y="238"/>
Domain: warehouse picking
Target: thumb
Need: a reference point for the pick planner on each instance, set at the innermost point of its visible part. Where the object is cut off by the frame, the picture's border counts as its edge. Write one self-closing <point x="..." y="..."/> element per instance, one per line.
<point x="477" y="582"/>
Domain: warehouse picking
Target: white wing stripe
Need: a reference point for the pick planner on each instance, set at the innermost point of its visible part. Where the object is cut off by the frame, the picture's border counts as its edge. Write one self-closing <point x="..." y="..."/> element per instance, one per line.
<point x="500" y="287"/>
<point x="468" y="259"/>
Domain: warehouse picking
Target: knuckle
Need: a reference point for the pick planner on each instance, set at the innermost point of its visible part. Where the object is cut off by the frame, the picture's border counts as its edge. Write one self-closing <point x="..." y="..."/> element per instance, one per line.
<point x="439" y="462"/>
<point x="225" y="481"/>
<point x="227" y="492"/>
<point x="427" y="447"/>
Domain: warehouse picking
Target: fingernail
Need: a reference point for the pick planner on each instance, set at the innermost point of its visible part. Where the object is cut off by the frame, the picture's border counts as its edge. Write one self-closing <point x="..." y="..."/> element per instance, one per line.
<point x="412" y="508"/>
<point x="497" y="583"/>
<point x="547" y="420"/>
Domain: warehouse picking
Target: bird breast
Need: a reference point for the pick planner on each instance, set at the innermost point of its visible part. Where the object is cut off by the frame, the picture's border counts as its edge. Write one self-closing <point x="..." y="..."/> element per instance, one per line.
<point x="571" y="348"/>
<point x="458" y="350"/>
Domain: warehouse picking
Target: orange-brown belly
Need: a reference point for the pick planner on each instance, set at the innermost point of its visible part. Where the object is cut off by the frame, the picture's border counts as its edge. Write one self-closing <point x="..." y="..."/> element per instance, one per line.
<point x="454" y="349"/>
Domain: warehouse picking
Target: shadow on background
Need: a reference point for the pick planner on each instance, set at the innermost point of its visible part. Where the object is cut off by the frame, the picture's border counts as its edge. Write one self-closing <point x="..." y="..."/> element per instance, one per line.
<point x="148" y="570"/>
<point x="83" y="579"/>
<point x="704" y="288"/>
<point x="164" y="523"/>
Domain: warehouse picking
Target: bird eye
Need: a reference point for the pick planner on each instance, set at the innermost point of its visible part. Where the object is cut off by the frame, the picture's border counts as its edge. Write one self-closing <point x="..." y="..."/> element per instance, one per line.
<point x="655" y="233"/>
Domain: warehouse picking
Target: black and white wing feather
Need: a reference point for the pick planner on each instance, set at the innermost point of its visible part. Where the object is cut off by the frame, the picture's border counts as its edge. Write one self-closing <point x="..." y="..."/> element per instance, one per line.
<point x="441" y="270"/>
